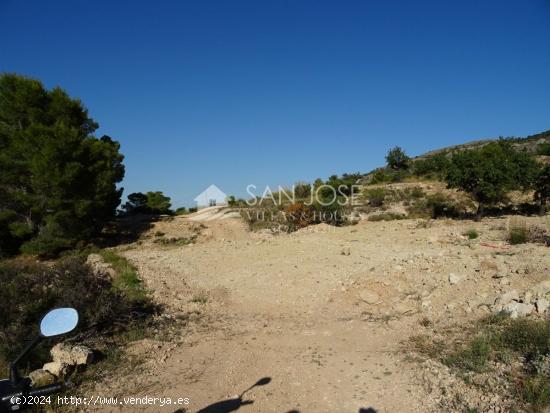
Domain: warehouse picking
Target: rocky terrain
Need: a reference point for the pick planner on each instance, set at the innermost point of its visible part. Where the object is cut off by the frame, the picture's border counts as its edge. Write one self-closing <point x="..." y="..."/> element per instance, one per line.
<point x="325" y="313"/>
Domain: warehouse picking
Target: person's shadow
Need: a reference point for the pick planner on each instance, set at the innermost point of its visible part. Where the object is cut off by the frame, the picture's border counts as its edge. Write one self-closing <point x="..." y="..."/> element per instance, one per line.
<point x="230" y="405"/>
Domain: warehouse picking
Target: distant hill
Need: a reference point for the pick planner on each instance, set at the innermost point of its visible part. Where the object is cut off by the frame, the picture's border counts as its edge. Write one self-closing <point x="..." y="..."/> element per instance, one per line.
<point x="528" y="144"/>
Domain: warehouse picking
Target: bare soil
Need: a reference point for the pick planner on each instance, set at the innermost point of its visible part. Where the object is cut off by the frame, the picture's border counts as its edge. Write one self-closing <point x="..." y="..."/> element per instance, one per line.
<point x="325" y="313"/>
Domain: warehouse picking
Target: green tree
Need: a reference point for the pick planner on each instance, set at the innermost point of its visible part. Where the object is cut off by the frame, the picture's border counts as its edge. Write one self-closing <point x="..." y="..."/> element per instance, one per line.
<point x="158" y="203"/>
<point x="137" y="203"/>
<point x="231" y="200"/>
<point x="181" y="211"/>
<point x="58" y="183"/>
<point x="489" y="173"/>
<point x="542" y="188"/>
<point x="397" y="159"/>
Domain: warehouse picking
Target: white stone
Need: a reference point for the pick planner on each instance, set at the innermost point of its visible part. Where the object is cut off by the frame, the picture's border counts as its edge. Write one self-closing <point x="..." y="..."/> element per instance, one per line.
<point x="542" y="305"/>
<point x="453" y="278"/>
<point x="516" y="309"/>
<point x="370" y="297"/>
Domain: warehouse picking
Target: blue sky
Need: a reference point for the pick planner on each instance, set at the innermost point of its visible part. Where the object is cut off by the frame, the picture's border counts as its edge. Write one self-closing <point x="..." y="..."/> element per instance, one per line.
<point x="271" y="92"/>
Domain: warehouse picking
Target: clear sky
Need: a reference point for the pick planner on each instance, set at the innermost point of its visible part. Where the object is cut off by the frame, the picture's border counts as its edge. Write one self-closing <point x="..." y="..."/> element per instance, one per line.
<point x="270" y="92"/>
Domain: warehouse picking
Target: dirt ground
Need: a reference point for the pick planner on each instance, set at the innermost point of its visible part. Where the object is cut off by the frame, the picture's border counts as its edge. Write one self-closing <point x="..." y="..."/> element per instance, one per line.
<point x="325" y="313"/>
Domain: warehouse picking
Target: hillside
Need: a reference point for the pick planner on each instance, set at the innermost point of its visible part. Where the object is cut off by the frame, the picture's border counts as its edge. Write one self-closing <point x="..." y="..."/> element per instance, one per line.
<point x="529" y="144"/>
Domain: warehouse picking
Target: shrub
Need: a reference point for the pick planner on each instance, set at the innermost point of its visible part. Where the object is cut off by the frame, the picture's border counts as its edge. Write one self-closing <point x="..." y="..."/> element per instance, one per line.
<point x="388" y="216"/>
<point x="376" y="197"/>
<point x="302" y="190"/>
<point x="397" y="159"/>
<point x="544" y="149"/>
<point x="181" y="211"/>
<point x="417" y="193"/>
<point x="542" y="188"/>
<point x="435" y="166"/>
<point x="299" y="215"/>
<point x="473" y="357"/>
<point x="472" y="234"/>
<point x="518" y="232"/>
<point x="29" y="290"/>
<point x="176" y="241"/>
<point x="489" y="173"/>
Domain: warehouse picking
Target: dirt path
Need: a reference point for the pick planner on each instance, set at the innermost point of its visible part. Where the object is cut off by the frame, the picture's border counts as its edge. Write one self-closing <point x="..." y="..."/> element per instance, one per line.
<point x="322" y="313"/>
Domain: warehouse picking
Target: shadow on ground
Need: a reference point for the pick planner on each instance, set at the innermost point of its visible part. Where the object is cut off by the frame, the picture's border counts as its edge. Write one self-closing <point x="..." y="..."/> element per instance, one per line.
<point x="231" y="405"/>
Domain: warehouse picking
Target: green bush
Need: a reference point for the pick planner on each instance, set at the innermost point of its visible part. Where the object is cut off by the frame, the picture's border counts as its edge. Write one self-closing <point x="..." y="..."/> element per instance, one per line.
<point x="518" y="233"/>
<point x="544" y="149"/>
<point x="397" y="159"/>
<point x="473" y="357"/>
<point x="522" y="344"/>
<point x="387" y="216"/>
<point x="435" y="166"/>
<point x="489" y="173"/>
<point x="29" y="290"/>
<point x="376" y="196"/>
<point x="472" y="234"/>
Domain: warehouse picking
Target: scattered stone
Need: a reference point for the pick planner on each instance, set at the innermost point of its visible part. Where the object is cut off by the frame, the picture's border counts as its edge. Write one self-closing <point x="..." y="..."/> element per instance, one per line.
<point x="454" y="279"/>
<point x="516" y="309"/>
<point x="506" y="298"/>
<point x="57" y="368"/>
<point x="541" y="289"/>
<point x="370" y="297"/>
<point x="542" y="305"/>
<point x="41" y="378"/>
<point x="72" y="355"/>
<point x="505" y="281"/>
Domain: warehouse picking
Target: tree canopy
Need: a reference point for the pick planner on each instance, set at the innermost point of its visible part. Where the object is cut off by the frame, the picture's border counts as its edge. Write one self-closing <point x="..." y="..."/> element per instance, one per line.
<point x="397" y="159"/>
<point x="490" y="172"/>
<point x="58" y="183"/>
<point x="150" y="203"/>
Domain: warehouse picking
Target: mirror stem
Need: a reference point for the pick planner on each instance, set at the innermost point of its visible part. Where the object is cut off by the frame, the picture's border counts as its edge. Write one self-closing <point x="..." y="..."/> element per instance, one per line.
<point x="14" y="375"/>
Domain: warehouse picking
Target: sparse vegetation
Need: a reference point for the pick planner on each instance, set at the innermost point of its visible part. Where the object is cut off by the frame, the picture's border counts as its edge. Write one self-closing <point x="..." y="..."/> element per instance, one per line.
<point x="176" y="241"/>
<point x="489" y="173"/>
<point x="376" y="196"/>
<point x="387" y="216"/>
<point x="397" y="159"/>
<point x="31" y="289"/>
<point x="518" y="233"/>
<point x="501" y="339"/>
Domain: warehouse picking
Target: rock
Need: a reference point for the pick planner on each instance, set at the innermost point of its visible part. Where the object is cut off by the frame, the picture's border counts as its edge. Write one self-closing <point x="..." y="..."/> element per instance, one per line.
<point x="542" y="305"/>
<point x="516" y="309"/>
<point x="370" y="297"/>
<point x="504" y="281"/>
<point x="72" y="355"/>
<point x="345" y="251"/>
<point x="41" y="377"/>
<point x="99" y="267"/>
<point x="541" y="289"/>
<point x="453" y="279"/>
<point x="506" y="298"/>
<point x="57" y="368"/>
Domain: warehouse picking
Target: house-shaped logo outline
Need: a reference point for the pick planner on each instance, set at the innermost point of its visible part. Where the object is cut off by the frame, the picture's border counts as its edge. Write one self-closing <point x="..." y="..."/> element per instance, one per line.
<point x="211" y="196"/>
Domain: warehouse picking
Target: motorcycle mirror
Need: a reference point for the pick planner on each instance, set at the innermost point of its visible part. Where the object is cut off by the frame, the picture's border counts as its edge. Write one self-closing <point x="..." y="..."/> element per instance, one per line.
<point x="58" y="321"/>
